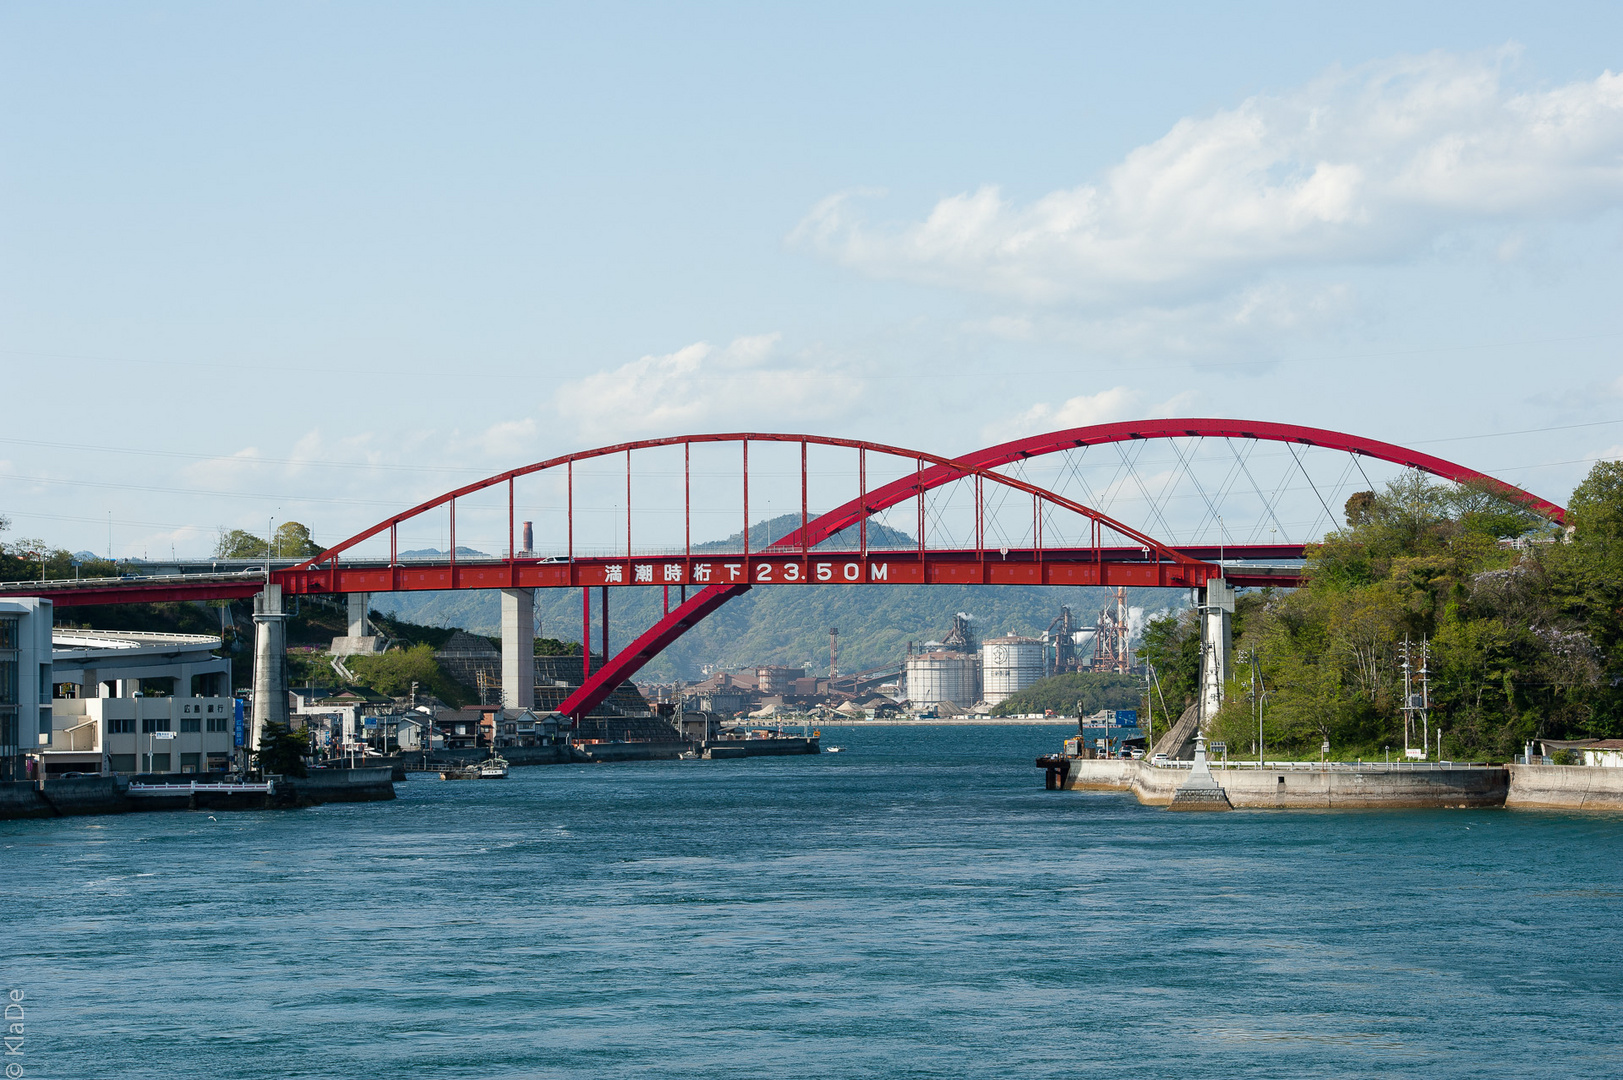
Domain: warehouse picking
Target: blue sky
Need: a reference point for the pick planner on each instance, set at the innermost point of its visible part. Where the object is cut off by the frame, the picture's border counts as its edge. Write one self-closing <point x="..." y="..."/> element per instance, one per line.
<point x="319" y="260"/>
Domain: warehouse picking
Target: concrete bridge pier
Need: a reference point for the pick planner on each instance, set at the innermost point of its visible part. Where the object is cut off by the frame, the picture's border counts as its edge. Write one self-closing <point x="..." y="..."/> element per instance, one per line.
<point x="270" y="661"/>
<point x="359" y="624"/>
<point x="1216" y="645"/>
<point x="518" y="648"/>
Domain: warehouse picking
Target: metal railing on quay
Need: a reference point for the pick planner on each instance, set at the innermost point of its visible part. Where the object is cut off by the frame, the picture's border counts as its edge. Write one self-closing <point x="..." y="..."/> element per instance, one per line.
<point x="1329" y="766"/>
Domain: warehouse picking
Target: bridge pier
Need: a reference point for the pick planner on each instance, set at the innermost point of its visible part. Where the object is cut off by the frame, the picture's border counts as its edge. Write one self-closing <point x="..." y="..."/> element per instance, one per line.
<point x="359" y="624"/>
<point x="1216" y="645"/>
<point x="518" y="648"/>
<point x="270" y="661"/>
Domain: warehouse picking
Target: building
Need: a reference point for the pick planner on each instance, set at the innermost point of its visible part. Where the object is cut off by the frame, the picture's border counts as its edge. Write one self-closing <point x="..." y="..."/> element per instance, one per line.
<point x="110" y="701"/>
<point x="771" y="681"/>
<point x="141" y="734"/>
<point x="26" y="679"/>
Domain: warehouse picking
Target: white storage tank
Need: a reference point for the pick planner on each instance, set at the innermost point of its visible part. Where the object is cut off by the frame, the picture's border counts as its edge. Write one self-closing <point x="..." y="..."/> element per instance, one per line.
<point x="1010" y="664"/>
<point x="934" y="677"/>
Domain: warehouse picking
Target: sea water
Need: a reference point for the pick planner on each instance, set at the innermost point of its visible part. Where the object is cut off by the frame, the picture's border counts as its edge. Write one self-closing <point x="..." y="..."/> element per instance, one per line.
<point x="917" y="905"/>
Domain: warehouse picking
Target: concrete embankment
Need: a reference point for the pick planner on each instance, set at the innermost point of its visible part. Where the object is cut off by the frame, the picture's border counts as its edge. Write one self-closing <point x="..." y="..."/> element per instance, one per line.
<point x="336" y="785"/>
<point x="64" y="798"/>
<point x="630" y="751"/>
<point x="111" y="794"/>
<point x="722" y="749"/>
<point x="1298" y="786"/>
<point x="1564" y="787"/>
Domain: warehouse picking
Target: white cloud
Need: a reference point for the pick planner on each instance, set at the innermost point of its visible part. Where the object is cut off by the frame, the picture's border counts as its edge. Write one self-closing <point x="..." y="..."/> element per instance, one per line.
<point x="1116" y="403"/>
<point x="698" y="387"/>
<point x="508" y="439"/>
<point x="1369" y="164"/>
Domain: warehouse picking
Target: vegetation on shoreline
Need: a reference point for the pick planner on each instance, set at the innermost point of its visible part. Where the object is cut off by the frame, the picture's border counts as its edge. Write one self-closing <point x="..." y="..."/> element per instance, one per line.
<point x="1063" y="693"/>
<point x="1524" y="622"/>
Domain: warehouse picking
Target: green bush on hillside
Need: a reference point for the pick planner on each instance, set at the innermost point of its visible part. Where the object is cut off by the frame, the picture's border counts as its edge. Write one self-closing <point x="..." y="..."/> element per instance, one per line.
<point x="393" y="672"/>
<point x="1094" y="690"/>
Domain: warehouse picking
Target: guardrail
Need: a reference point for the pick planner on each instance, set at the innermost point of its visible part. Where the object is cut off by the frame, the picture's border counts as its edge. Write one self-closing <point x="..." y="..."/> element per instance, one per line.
<point x="246" y="788"/>
<point x="1330" y="766"/>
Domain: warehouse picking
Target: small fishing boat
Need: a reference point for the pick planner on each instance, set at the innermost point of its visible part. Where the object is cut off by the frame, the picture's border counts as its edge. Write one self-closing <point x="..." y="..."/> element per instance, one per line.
<point x="492" y="768"/>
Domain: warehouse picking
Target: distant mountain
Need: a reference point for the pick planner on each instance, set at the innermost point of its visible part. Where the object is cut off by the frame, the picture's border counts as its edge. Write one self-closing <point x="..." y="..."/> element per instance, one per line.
<point x="787" y="624"/>
<point x="85" y="556"/>
<point x="769" y="532"/>
<point x="436" y="553"/>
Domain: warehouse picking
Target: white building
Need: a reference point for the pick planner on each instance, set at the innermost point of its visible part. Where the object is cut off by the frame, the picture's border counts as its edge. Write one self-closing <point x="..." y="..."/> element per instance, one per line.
<point x="25" y="682"/>
<point x="142" y="735"/>
<point x="187" y="723"/>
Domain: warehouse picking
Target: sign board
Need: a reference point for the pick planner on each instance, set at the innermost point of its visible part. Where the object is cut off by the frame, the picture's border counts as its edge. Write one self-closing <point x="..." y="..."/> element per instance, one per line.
<point x="163" y="734"/>
<point x="238" y="737"/>
<point x="1415" y="754"/>
<point x="1125" y="717"/>
<point x="1220" y="747"/>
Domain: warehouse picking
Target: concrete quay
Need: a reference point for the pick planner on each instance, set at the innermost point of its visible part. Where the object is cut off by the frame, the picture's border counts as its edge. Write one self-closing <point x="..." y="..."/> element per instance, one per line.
<point x="1564" y="787"/>
<point x="1311" y="786"/>
<point x="79" y="795"/>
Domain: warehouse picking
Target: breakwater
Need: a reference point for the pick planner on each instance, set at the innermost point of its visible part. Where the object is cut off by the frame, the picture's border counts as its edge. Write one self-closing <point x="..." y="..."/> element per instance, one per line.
<point x="1366" y="785"/>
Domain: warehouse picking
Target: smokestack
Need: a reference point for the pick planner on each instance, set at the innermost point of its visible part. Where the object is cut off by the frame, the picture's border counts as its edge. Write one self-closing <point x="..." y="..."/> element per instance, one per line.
<point x="529" y="538"/>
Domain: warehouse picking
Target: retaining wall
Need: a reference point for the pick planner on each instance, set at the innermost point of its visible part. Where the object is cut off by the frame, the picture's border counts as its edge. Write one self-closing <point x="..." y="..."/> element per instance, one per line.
<point x="1565" y="787"/>
<point x="63" y="797"/>
<point x="1343" y="787"/>
<point x="336" y="785"/>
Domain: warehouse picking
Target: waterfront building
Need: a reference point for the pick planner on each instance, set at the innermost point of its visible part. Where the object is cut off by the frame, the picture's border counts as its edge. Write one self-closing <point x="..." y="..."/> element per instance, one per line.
<point x="25" y="683"/>
<point x="141" y="734"/>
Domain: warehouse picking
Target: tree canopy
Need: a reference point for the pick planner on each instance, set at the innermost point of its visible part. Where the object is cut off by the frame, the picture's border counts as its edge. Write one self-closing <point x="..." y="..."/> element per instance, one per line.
<point x="1523" y="622"/>
<point x="1088" y="690"/>
<point x="291" y="540"/>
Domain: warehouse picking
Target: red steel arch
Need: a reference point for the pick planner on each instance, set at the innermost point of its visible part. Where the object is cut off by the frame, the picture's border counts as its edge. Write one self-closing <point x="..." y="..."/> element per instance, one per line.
<point x="946" y="470"/>
<point x="1129" y="430"/>
<point x="677" y="622"/>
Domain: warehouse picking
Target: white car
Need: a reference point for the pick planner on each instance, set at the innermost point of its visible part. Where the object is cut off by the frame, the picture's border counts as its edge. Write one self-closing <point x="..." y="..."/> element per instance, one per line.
<point x="1159" y="759"/>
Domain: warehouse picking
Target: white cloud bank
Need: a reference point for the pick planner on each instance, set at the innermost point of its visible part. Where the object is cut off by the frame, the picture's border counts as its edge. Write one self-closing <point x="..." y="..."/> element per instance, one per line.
<point x="696" y="388"/>
<point x="1365" y="164"/>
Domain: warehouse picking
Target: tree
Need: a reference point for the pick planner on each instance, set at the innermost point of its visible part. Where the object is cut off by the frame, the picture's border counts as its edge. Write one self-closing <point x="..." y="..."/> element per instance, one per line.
<point x="236" y="544"/>
<point x="292" y="541"/>
<point x="282" y="750"/>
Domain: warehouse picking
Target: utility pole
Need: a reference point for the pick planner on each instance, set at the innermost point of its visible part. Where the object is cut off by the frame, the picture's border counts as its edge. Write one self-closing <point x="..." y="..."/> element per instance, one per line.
<point x="1416" y="703"/>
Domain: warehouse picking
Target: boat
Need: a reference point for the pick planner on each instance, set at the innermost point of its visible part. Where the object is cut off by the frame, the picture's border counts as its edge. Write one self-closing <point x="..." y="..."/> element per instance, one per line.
<point x="834" y="749"/>
<point x="493" y="767"/>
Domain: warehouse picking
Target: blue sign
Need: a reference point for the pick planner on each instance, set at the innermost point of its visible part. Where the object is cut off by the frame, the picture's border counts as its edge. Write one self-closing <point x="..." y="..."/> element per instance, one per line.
<point x="238" y="729"/>
<point x="1125" y="718"/>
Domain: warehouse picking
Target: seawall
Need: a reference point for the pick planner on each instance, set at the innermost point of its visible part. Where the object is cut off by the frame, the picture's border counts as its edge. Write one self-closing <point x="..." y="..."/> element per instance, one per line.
<point x="64" y="797"/>
<point x="336" y="785"/>
<point x="1307" y="786"/>
<point x="1564" y="787"/>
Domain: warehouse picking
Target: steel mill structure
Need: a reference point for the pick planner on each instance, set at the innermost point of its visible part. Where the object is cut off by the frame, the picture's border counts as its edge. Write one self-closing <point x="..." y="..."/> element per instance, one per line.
<point x="1009" y="665"/>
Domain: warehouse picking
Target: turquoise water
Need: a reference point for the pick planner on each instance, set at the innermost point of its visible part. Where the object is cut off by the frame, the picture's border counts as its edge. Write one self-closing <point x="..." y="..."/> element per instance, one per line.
<point x="916" y="906"/>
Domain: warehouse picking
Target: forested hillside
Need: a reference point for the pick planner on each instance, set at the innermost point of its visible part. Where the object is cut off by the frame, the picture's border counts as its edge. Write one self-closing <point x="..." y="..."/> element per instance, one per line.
<point x="1526" y="638"/>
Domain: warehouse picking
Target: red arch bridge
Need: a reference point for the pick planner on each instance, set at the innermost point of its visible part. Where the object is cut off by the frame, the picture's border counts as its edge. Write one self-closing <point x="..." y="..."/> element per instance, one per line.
<point x="1162" y="503"/>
